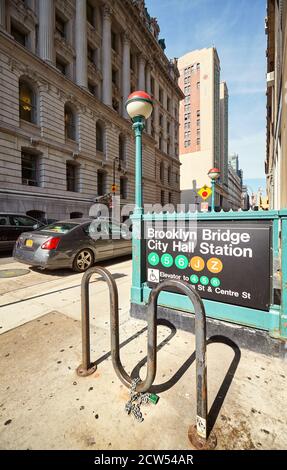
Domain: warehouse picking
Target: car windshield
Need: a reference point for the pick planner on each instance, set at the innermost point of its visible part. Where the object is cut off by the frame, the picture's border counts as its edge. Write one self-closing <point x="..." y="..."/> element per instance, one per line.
<point x="59" y="227"/>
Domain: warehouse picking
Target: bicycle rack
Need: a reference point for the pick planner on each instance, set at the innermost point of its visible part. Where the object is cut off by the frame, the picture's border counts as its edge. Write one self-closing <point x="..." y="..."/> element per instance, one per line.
<point x="199" y="434"/>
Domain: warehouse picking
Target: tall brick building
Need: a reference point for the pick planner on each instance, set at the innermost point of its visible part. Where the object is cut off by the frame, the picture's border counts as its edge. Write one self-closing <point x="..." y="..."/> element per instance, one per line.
<point x="203" y="124"/>
<point x="67" y="68"/>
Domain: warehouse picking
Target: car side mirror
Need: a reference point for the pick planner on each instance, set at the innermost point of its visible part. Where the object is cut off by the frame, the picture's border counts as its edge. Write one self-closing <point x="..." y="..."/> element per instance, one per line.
<point x="36" y="226"/>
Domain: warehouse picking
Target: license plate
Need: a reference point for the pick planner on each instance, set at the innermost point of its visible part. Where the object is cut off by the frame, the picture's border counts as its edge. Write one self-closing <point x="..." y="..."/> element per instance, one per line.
<point x="29" y="243"/>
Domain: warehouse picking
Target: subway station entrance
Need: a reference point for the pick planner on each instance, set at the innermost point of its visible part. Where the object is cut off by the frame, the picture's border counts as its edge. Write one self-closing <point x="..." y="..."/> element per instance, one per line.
<point x="236" y="261"/>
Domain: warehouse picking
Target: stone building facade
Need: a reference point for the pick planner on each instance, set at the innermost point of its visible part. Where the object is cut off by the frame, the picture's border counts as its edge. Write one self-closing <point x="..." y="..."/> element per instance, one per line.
<point x="234" y="189"/>
<point x="67" y="68"/>
<point x="276" y="105"/>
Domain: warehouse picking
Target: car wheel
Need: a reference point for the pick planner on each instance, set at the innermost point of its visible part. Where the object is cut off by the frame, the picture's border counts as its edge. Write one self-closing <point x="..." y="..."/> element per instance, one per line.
<point x="83" y="261"/>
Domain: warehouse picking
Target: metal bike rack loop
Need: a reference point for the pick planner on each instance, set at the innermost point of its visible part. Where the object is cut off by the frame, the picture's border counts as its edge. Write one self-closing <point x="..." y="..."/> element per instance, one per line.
<point x="199" y="435"/>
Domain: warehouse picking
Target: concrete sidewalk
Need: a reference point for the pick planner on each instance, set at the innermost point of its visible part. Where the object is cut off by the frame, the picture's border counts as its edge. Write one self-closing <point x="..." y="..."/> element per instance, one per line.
<point x="45" y="405"/>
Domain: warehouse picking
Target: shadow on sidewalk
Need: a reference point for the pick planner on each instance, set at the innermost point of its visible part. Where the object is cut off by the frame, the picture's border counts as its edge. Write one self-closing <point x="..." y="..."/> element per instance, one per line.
<point x="159" y="388"/>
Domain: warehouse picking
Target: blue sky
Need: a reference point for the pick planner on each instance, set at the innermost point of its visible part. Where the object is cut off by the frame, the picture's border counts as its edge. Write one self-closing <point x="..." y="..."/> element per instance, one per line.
<point x="236" y="29"/>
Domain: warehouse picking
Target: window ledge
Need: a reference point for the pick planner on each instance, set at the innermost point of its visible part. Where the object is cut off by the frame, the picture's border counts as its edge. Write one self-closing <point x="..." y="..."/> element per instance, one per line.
<point x="30" y="126"/>
<point x="72" y="144"/>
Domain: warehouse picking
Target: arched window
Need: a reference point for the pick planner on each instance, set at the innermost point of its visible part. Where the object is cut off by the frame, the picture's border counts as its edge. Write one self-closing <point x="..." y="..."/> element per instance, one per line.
<point x="27" y="101"/>
<point x="100" y="133"/>
<point x="70" y="122"/>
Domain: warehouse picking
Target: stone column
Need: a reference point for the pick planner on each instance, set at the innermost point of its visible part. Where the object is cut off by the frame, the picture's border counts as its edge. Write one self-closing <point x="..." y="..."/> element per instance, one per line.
<point x="81" y="44"/>
<point x="141" y="80"/>
<point x="164" y="132"/>
<point x="126" y="77"/>
<point x="156" y="112"/>
<point x="46" y="30"/>
<point x="107" y="57"/>
<point x="172" y="128"/>
<point x="148" y="90"/>
<point x="2" y="14"/>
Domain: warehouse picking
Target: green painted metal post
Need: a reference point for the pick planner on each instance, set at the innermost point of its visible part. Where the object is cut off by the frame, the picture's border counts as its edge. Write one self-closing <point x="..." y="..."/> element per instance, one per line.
<point x="138" y="127"/>
<point x="283" y="313"/>
<point x="137" y="270"/>
<point x="212" y="195"/>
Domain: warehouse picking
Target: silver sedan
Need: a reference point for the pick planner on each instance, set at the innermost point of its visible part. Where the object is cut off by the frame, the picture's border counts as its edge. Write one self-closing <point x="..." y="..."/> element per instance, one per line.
<point x="73" y="243"/>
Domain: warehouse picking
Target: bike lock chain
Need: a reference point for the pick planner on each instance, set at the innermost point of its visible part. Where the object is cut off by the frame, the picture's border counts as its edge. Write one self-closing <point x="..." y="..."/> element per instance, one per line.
<point x="133" y="406"/>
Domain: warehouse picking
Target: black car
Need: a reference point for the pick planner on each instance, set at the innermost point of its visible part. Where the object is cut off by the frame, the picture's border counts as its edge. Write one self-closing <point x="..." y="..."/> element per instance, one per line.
<point x="12" y="225"/>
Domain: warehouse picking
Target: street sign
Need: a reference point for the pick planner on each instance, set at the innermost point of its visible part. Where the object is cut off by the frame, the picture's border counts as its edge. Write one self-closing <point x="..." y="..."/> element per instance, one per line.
<point x="204" y="206"/>
<point x="225" y="261"/>
<point x="204" y="192"/>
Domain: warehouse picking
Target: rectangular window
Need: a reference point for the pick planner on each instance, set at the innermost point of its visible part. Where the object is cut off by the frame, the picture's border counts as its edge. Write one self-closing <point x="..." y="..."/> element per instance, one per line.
<point x="123" y="187"/>
<point x="61" y="66"/>
<point x="160" y="120"/>
<point x="29" y="164"/>
<point x="160" y="95"/>
<point x="92" y="88"/>
<point x="162" y="198"/>
<point x="91" y="54"/>
<point x="168" y="104"/>
<point x="152" y="85"/>
<point x="198" y="85"/>
<point x="198" y="141"/>
<point x="114" y="41"/>
<point x="90" y="14"/>
<point x="71" y="177"/>
<point x="60" y="25"/>
<point x="186" y="80"/>
<point x="122" y="153"/>
<point x="198" y="113"/>
<point x="19" y="35"/>
<point x="168" y="147"/>
<point x="198" y="122"/>
<point x="132" y="61"/>
<point x="101" y="183"/>
<point x="115" y="76"/>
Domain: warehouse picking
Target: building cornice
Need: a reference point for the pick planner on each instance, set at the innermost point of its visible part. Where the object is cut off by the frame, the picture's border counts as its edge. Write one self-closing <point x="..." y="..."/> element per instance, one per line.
<point x="158" y="55"/>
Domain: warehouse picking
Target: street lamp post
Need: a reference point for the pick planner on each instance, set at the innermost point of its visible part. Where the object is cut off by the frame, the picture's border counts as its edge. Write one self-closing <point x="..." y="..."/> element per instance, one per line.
<point x="213" y="174"/>
<point x="139" y="107"/>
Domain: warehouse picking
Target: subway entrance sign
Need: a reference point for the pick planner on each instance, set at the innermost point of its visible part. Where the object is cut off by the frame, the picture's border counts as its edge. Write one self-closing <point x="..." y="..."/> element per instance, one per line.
<point x="225" y="261"/>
